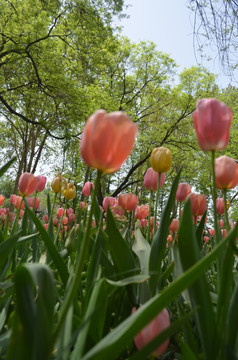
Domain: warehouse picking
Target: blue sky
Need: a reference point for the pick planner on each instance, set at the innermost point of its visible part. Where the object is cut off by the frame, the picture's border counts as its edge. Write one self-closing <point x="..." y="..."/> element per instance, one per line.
<point x="169" y="24"/>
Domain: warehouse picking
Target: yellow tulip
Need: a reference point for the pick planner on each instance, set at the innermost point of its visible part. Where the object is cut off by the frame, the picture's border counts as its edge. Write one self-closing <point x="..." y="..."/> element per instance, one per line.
<point x="161" y="159"/>
<point x="69" y="191"/>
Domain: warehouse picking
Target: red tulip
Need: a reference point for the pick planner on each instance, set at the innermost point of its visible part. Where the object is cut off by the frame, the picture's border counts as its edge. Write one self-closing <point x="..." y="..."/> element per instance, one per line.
<point x="28" y="184"/>
<point x="151" y="179"/>
<point x="226" y="172"/>
<point x="128" y="201"/>
<point x="107" y="140"/>
<point x="173" y="227"/>
<point x="206" y="239"/>
<point x="60" y="212"/>
<point x="154" y="328"/>
<point x="212" y="232"/>
<point x="18" y="202"/>
<point x="182" y="192"/>
<point x="212" y="120"/>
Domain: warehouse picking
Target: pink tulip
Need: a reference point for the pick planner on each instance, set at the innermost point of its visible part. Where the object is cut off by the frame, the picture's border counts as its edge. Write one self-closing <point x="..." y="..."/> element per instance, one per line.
<point x="18" y="202"/>
<point x="220" y="206"/>
<point x="118" y="210"/>
<point x="142" y="212"/>
<point x="154" y="328"/>
<point x="198" y="204"/>
<point x="128" y="201"/>
<point x="33" y="202"/>
<point x="212" y="232"/>
<point x="144" y="222"/>
<point x="46" y="218"/>
<point x="183" y="191"/>
<point x="65" y="220"/>
<point x="169" y="238"/>
<point x="83" y="205"/>
<point x="69" y="211"/>
<point x="221" y="223"/>
<point x="109" y="201"/>
<point x="107" y="140"/>
<point x="212" y="120"/>
<point x="28" y="184"/>
<point x="151" y="179"/>
<point x="46" y="226"/>
<point x="88" y="186"/>
<point x="42" y="181"/>
<point x="226" y="172"/>
<point x="21" y="213"/>
<point x="174" y="225"/>
<point x="13" y="198"/>
<point x="206" y="239"/>
<point x="55" y="221"/>
<point x="60" y="212"/>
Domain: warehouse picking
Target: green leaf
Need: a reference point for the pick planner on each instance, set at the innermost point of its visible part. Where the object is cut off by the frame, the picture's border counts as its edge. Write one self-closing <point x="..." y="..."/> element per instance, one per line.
<point x="232" y="321"/>
<point x="7" y="246"/>
<point x="160" y="239"/>
<point x="141" y="248"/>
<point x="198" y="293"/>
<point x="111" y="346"/>
<point x="57" y="259"/>
<point x="4" y="168"/>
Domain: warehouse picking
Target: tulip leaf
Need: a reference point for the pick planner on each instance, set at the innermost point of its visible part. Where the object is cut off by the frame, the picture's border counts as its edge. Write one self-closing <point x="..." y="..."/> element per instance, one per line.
<point x="199" y="292"/>
<point x="160" y="239"/>
<point x="232" y="320"/>
<point x="112" y="345"/>
<point x="137" y="279"/>
<point x="4" y="168"/>
<point x="57" y="259"/>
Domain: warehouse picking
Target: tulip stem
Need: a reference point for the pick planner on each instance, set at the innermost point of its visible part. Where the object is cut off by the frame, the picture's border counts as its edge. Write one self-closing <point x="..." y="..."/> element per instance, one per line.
<point x="156" y="202"/>
<point x="148" y="222"/>
<point x="214" y="196"/>
<point x="225" y="210"/>
<point x="76" y="278"/>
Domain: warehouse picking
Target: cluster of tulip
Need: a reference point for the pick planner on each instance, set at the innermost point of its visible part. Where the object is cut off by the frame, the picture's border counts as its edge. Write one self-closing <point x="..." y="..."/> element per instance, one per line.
<point x="103" y="135"/>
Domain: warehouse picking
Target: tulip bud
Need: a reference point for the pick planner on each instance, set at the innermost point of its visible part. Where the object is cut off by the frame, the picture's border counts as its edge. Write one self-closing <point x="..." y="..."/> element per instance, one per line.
<point x="69" y="191"/>
<point x="71" y="241"/>
<point x="161" y="159"/>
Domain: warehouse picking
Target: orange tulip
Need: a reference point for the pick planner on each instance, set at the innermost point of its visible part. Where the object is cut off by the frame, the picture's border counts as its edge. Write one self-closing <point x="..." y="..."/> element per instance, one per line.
<point x="128" y="201"/>
<point x="2" y="198"/>
<point x="212" y="120"/>
<point x="142" y="212"/>
<point x="198" y="203"/>
<point x="107" y="140"/>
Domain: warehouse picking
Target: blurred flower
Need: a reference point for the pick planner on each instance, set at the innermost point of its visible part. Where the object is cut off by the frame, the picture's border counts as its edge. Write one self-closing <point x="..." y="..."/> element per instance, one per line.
<point x="128" y="201"/>
<point x="220" y="206"/>
<point x="18" y="202"/>
<point x="13" y="198"/>
<point x="142" y="212"/>
<point x="226" y="172"/>
<point x="46" y="226"/>
<point x="169" y="238"/>
<point x="27" y="184"/>
<point x="161" y="159"/>
<point x="60" y="212"/>
<point x="198" y="204"/>
<point x="69" y="191"/>
<point x="206" y="239"/>
<point x="151" y="179"/>
<point x="41" y="184"/>
<point x="56" y="183"/>
<point x="46" y="218"/>
<point x="182" y="192"/>
<point x="83" y="205"/>
<point x="173" y="227"/>
<point x="107" y="140"/>
<point x="154" y="328"/>
<point x="88" y="186"/>
<point x="65" y="220"/>
<point x="33" y="202"/>
<point x="21" y="213"/>
<point x="109" y="201"/>
<point x="212" y="120"/>
<point x="211" y="232"/>
<point x="2" y="198"/>
<point x="55" y="221"/>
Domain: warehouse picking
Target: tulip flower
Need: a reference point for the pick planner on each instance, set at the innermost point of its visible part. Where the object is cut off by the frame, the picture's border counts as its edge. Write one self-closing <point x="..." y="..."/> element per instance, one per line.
<point x="211" y="232"/>
<point x="57" y="183"/>
<point x="198" y="204"/>
<point x="109" y="201"/>
<point x="18" y="202"/>
<point x="2" y="198"/>
<point x="88" y="186"/>
<point x="142" y="212"/>
<point x="42" y="181"/>
<point x="69" y="191"/>
<point x="154" y="328"/>
<point x="46" y="218"/>
<point x="226" y="172"/>
<point x="107" y="140"/>
<point x="161" y="159"/>
<point x="220" y="206"/>
<point x="13" y="198"/>
<point x="83" y="205"/>
<point x="65" y="220"/>
<point x="151" y="179"/>
<point x="174" y="225"/>
<point x="28" y="184"/>
<point x="128" y="201"/>
<point x="206" y="239"/>
<point x="60" y="212"/>
<point x="55" y="221"/>
<point x="212" y="120"/>
<point x="182" y="192"/>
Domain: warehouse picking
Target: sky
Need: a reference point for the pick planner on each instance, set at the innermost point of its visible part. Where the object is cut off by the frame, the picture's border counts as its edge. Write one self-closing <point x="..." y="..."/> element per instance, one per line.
<point x="169" y="24"/>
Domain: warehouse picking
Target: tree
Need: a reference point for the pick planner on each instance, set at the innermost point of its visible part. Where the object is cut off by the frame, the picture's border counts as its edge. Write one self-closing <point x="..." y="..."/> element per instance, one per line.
<point x="216" y="24"/>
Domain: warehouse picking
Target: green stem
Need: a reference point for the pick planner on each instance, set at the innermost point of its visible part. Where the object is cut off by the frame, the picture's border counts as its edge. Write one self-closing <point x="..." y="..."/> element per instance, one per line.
<point x="227" y="226"/>
<point x="214" y="196"/>
<point x="148" y="224"/>
<point x="74" y="286"/>
<point x="156" y="202"/>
